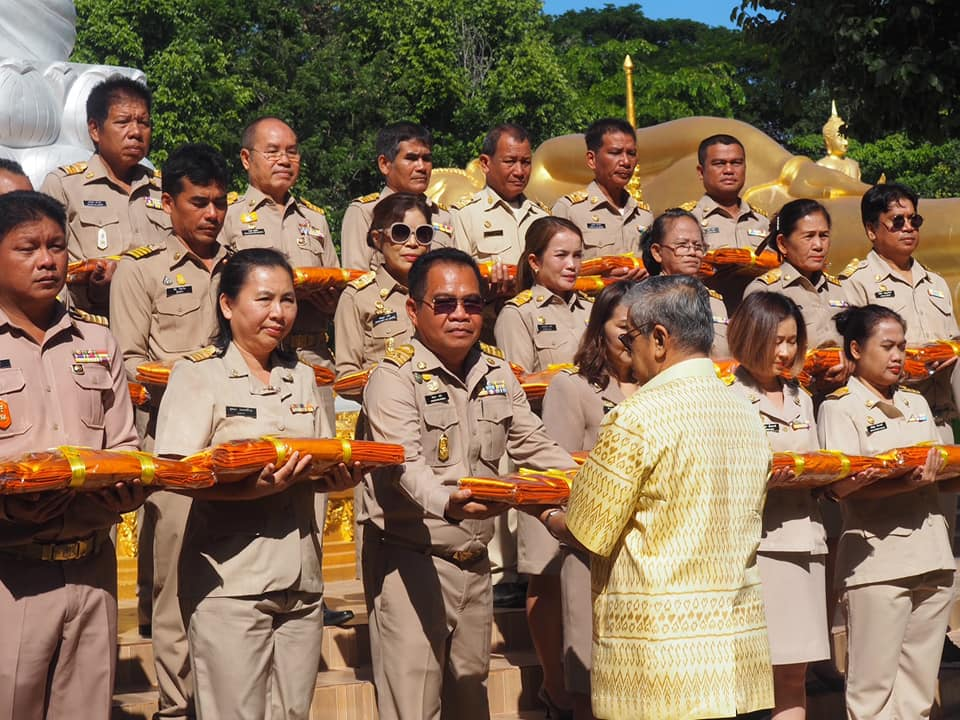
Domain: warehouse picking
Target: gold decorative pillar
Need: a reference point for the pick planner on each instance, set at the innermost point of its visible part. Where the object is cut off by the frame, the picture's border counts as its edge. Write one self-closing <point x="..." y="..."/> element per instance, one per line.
<point x="628" y="72"/>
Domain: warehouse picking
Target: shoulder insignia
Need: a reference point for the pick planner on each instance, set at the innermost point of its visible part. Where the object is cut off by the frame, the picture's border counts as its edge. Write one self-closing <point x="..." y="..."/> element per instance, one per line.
<point x="543" y="207"/>
<point x="204" y="354"/>
<point x="78" y="314"/>
<point x="464" y="200"/>
<point x="364" y="280"/>
<point x="771" y="276"/>
<point x="399" y="355"/>
<point x="522" y="298"/>
<point x="576" y="197"/>
<point x="232" y="197"/>
<point x="492" y="350"/>
<point x="838" y="393"/>
<point x="157" y="174"/>
<point x="757" y="211"/>
<point x="74" y="169"/>
<point x="643" y="206"/>
<point x="689" y="206"/>
<point x="586" y="297"/>
<point x="714" y="294"/>
<point x="442" y="206"/>
<point x="138" y="253"/>
<point x="315" y="208"/>
<point x="832" y="279"/>
<point x="807" y="390"/>
<point x="571" y="370"/>
<point x="368" y="198"/>
<point x="852" y="267"/>
<point x="904" y="388"/>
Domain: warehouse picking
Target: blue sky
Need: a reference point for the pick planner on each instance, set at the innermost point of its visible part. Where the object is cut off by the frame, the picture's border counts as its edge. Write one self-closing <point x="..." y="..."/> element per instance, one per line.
<point x="711" y="12"/>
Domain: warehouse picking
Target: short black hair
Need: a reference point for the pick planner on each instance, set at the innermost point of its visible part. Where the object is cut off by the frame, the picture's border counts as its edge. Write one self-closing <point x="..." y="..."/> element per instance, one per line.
<point x="390" y="137"/>
<point x="492" y="138"/>
<point x="656" y="233"/>
<point x="594" y="134"/>
<point x="858" y="323"/>
<point x="250" y="131"/>
<point x="877" y="200"/>
<point x="719" y="139"/>
<point x="12" y="167"/>
<point x="104" y="95"/>
<point x="24" y="206"/>
<point x="417" y="277"/>
<point x="201" y="164"/>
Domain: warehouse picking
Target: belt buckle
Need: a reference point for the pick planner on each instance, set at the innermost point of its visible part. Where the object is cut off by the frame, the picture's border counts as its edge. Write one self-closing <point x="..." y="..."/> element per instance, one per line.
<point x="65" y="551"/>
<point x="465" y="556"/>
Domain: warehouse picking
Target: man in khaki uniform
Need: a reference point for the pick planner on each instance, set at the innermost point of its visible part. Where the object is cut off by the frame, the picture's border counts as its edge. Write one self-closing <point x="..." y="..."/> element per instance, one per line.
<point x="164" y="309"/>
<point x="61" y="382"/>
<point x="113" y="202"/>
<point x="457" y="409"/>
<point x="12" y="177"/>
<point x="611" y="220"/>
<point x="405" y="159"/>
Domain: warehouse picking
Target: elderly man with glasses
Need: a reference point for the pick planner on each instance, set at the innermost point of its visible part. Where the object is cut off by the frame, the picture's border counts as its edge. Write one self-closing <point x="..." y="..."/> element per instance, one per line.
<point x="669" y="503"/>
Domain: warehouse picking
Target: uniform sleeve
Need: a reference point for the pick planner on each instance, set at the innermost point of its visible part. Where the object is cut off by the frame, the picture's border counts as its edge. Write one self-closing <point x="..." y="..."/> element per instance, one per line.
<point x="348" y="329"/>
<point x="118" y="428"/>
<point x="514" y="339"/>
<point x="563" y="416"/>
<point x="185" y="418"/>
<point x="353" y="240"/>
<point x="855" y="291"/>
<point x="228" y="233"/>
<point x="461" y="236"/>
<point x="321" y="418"/>
<point x="528" y="443"/>
<point x="53" y="186"/>
<point x="131" y="314"/>
<point x="390" y="406"/>
<point x="836" y="429"/>
<point x="755" y="286"/>
<point x="605" y="491"/>
<point x="329" y="258"/>
<point x="561" y="209"/>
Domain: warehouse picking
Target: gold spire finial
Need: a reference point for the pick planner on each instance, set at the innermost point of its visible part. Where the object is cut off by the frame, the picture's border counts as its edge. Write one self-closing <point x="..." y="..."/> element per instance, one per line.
<point x="833" y="108"/>
<point x="628" y="72"/>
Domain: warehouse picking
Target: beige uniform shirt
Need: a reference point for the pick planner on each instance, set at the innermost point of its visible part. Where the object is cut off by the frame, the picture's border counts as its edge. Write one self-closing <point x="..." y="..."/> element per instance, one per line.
<point x="356" y="223"/>
<point x="818" y="302"/>
<point x="487" y="227"/>
<point x="537" y="328"/>
<point x="606" y="230"/>
<point x="745" y="230"/>
<point x="894" y="537"/>
<point x="720" y="350"/>
<point x="246" y="547"/>
<point x="449" y="428"/>
<point x="574" y="409"/>
<point x="69" y="390"/>
<point x="791" y="518"/>
<point x="164" y="302"/>
<point x="371" y="320"/>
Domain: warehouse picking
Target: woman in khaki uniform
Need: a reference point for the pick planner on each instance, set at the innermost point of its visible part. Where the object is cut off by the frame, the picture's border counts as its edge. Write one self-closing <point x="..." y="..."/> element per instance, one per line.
<point x="371" y="317"/>
<point x="250" y="566"/>
<point x="574" y="406"/>
<point x="768" y="338"/>
<point x="894" y="561"/>
<point x="678" y="233"/>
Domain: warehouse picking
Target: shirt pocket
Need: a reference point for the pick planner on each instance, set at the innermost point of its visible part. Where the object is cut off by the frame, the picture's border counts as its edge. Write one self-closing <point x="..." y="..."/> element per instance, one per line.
<point x="92" y="384"/>
<point x="547" y="339"/>
<point x="98" y="229"/>
<point x="176" y="318"/>
<point x="17" y="410"/>
<point x="440" y="445"/>
<point x="384" y="326"/>
<point x="494" y="421"/>
<point x="493" y="241"/>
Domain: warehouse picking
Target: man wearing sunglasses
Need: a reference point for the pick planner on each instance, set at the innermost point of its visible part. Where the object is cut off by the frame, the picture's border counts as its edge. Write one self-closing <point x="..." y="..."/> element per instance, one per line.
<point x="405" y="159"/>
<point x="456" y="407"/>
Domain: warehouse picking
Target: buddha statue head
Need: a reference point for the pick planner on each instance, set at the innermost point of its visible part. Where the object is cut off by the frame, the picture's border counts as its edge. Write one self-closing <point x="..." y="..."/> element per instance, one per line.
<point x="836" y="142"/>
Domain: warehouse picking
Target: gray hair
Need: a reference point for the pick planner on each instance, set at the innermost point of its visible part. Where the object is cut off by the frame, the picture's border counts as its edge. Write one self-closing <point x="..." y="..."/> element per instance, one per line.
<point x="680" y="303"/>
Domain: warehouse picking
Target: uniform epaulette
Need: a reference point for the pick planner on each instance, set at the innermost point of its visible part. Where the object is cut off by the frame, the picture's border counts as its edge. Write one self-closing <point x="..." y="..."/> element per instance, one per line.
<point x="364" y="280"/>
<point x="643" y="206"/>
<point x="157" y="174"/>
<point x="771" y="276"/>
<point x="442" y="206"/>
<point x="714" y="294"/>
<point x="74" y="169"/>
<point x="521" y="298"/>
<point x="572" y="370"/>
<point x="586" y="296"/>
<point x="832" y="279"/>
<point x="206" y="353"/>
<point x="909" y="389"/>
<point x="78" y="314"/>
<point x="576" y="197"/>
<point x="368" y="198"/>
<point x="399" y="355"/>
<point x="543" y="207"/>
<point x="689" y="206"/>
<point x="232" y="197"/>
<point x="138" y="253"/>
<point x="315" y="208"/>
<point x="852" y="267"/>
<point x="838" y="393"/>
<point x="461" y="202"/>
<point x="757" y="211"/>
<point x="492" y="350"/>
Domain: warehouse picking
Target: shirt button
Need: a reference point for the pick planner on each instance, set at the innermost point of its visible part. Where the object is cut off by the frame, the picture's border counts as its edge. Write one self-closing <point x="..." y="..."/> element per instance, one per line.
<point x="47" y="389"/>
<point x="281" y="426"/>
<point x="56" y="427"/>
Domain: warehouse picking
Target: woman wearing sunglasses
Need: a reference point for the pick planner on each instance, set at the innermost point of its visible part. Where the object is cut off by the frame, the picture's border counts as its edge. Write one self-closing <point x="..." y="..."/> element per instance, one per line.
<point x="674" y="245"/>
<point x="371" y="316"/>
<point x="574" y="406"/>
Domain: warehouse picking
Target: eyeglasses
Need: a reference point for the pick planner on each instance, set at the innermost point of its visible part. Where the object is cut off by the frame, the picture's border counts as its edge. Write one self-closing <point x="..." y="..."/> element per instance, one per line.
<point x="292" y="154"/>
<point x="898" y="222"/>
<point x="399" y="233"/>
<point x="687" y="248"/>
<point x="444" y="305"/>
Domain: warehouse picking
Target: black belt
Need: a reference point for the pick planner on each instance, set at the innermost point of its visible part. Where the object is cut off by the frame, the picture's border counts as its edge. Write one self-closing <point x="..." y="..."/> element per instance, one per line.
<point x="460" y="558"/>
<point x="59" y="551"/>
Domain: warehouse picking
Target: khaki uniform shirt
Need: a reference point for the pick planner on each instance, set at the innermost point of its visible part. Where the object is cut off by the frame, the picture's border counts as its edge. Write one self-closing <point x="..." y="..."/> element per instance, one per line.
<point x="55" y="394"/>
<point x="574" y="409"/>
<point x="887" y="538"/>
<point x="450" y="429"/>
<point x="606" y="231"/>
<point x="791" y="518"/>
<point x="371" y="320"/>
<point x="356" y="223"/>
<point x="537" y="328"/>
<point x="487" y="227"/>
<point x="718" y="311"/>
<point x="247" y="547"/>
<point x="164" y="303"/>
<point x="669" y="501"/>
<point x="746" y="230"/>
<point x="818" y="301"/>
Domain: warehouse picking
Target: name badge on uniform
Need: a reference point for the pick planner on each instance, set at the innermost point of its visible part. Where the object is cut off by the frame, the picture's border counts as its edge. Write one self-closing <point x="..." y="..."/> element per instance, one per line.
<point x="180" y="290"/>
<point x="546" y="327"/>
<point x="5" y="363"/>
<point x="384" y="317"/>
<point x="711" y="229"/>
<point x="772" y="427"/>
<point x="440" y="397"/>
<point x="876" y="427"/>
<point x="5" y="418"/>
<point x="236" y="411"/>
<point x="493" y="233"/>
<point x="94" y="203"/>
<point x="933" y="292"/>
<point x="596" y="226"/>
<point x="302" y="409"/>
<point x="756" y="233"/>
<point x="884" y="294"/>
<point x="153" y="203"/>
<point x="253" y="231"/>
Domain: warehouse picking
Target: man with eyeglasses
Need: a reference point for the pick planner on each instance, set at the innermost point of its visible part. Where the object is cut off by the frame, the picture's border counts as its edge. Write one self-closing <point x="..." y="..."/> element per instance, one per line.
<point x="405" y="159"/>
<point x="112" y="200"/>
<point x="456" y="407"/>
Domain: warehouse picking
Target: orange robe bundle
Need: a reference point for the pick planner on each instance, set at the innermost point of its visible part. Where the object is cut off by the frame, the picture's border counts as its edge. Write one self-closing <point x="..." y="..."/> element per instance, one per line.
<point x="608" y="263"/>
<point x="79" y="468"/>
<point x="139" y="395"/>
<point x="741" y="259"/>
<point x="79" y="271"/>
<point x="158" y="373"/>
<point x="535" y="384"/>
<point x="919" y="358"/>
<point x="525" y="487"/>
<point x="815" y="469"/>
<point x="233" y="461"/>
<point x="357" y="380"/>
<point x="593" y="284"/>
<point x="486" y="269"/>
<point x="916" y="457"/>
<point x="312" y="279"/>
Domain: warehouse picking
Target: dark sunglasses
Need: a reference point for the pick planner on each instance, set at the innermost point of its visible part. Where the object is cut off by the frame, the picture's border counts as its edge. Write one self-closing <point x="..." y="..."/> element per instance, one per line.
<point x="897" y="222"/>
<point x="399" y="233"/>
<point x="472" y="305"/>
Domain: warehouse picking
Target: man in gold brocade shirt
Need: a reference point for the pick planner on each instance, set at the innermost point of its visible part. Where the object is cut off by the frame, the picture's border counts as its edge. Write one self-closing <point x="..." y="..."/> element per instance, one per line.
<point x="669" y="503"/>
